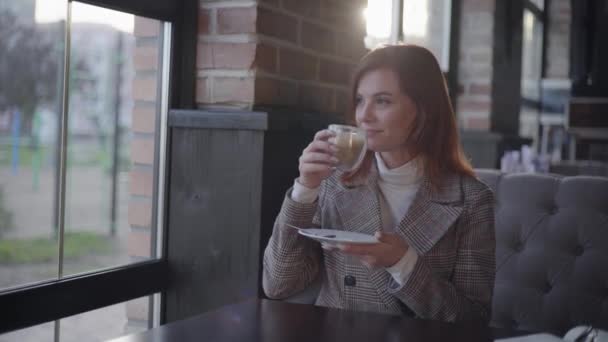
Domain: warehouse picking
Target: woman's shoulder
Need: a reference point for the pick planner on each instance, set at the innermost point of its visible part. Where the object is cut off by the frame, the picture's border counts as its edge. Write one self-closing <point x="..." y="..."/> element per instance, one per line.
<point x="473" y="187"/>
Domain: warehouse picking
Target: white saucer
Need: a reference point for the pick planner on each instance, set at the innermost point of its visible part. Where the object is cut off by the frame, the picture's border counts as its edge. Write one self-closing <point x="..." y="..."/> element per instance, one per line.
<point x="334" y="236"/>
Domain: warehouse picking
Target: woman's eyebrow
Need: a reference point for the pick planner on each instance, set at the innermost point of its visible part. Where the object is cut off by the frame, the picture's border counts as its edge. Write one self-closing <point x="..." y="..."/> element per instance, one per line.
<point x="382" y="93"/>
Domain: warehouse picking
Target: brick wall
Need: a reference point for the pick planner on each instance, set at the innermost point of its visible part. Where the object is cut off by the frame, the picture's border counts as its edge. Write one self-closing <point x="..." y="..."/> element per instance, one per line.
<point x="287" y="53"/>
<point x="144" y="126"/>
<point x="141" y="180"/>
<point x="475" y="68"/>
<point x="558" y="39"/>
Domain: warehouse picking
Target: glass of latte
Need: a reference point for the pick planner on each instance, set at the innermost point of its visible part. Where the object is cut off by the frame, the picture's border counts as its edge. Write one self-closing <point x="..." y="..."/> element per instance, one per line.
<point x="351" y="146"/>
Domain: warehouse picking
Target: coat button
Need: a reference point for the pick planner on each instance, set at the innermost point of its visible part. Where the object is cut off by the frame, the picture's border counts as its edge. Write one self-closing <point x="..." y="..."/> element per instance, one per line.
<point x="349" y="280"/>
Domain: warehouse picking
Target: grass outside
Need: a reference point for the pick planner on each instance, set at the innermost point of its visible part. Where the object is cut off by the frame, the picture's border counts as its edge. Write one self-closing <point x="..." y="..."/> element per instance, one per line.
<point x="80" y="153"/>
<point x="38" y="250"/>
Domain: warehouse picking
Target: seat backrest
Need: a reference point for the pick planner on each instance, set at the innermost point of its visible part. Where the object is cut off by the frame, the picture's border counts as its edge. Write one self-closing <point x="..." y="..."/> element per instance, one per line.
<point x="551" y="251"/>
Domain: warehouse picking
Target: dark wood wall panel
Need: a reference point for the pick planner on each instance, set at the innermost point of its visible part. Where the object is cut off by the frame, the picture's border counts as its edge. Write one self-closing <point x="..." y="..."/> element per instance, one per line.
<point x="214" y="218"/>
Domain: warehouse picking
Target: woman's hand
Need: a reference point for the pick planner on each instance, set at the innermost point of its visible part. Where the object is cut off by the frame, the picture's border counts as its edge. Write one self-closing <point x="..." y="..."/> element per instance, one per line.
<point x="317" y="161"/>
<point x="386" y="253"/>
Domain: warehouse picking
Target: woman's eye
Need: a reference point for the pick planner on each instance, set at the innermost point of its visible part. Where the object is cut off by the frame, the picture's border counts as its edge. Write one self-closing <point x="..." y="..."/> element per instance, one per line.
<point x="358" y="101"/>
<point x="383" y="101"/>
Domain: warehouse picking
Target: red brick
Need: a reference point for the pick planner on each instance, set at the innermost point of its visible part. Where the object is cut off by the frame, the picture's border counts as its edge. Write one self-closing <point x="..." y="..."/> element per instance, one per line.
<point x="474" y="21"/>
<point x="226" y="55"/>
<point x="144" y="119"/>
<point x="470" y="40"/>
<point x="318" y="38"/>
<point x="477" y="6"/>
<point x="142" y="150"/>
<point x="277" y="25"/>
<point x="204" y="21"/>
<point x="564" y="12"/>
<point x="308" y="8"/>
<point x="271" y="91"/>
<point x="345" y="7"/>
<point x="144" y="27"/>
<point x="477" y="123"/>
<point x="138" y="243"/>
<point x="236" y="20"/>
<point x="476" y="70"/>
<point x="140" y="213"/>
<point x="146" y="58"/>
<point x="274" y="3"/>
<point x="344" y="14"/>
<point x="144" y="88"/>
<point x="480" y="89"/>
<point x="481" y="57"/>
<point x="204" y="56"/>
<point x="335" y="20"/>
<point x="343" y="102"/>
<point x="141" y="182"/>
<point x="316" y="98"/>
<point x="468" y="105"/>
<point x="350" y="46"/>
<point x="266" y="57"/>
<point x="233" y="90"/>
<point x="334" y="72"/>
<point x="298" y="65"/>
<point x="203" y="94"/>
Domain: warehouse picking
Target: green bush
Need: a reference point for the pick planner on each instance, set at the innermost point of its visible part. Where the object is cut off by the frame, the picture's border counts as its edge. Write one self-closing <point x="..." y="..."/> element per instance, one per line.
<point x="37" y="250"/>
<point x="6" y="217"/>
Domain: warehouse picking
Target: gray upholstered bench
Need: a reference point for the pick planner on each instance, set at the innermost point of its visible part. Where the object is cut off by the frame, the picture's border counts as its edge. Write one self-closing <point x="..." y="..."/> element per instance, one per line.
<point x="551" y="251"/>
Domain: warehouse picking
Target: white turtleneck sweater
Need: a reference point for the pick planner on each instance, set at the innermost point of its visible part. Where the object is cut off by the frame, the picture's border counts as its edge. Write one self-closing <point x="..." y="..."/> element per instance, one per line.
<point x="398" y="187"/>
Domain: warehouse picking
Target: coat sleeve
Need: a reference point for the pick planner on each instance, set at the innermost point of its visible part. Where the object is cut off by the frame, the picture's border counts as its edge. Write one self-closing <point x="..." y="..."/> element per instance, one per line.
<point x="291" y="261"/>
<point x="467" y="295"/>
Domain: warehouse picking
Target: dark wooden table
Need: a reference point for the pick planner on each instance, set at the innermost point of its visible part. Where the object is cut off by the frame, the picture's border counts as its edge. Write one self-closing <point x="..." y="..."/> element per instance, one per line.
<point x="266" y="320"/>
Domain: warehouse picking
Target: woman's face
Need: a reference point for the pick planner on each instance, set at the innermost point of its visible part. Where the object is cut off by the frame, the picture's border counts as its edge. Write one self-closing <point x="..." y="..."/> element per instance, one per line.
<point x="384" y="111"/>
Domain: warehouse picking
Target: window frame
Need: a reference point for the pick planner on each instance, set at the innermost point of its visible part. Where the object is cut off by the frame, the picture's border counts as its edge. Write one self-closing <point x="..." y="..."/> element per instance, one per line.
<point x="56" y="299"/>
<point x="540" y="15"/>
<point x="451" y="75"/>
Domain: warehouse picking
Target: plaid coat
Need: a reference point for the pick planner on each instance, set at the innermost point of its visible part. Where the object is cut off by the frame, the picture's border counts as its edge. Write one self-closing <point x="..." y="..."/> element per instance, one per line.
<point x="451" y="229"/>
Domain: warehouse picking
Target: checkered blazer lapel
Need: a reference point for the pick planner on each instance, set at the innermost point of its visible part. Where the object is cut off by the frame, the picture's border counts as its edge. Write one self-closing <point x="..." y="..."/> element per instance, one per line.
<point x="359" y="209"/>
<point x="432" y="213"/>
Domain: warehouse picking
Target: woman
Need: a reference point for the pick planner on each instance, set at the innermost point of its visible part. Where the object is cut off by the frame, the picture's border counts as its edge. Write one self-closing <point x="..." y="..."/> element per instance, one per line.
<point x="414" y="190"/>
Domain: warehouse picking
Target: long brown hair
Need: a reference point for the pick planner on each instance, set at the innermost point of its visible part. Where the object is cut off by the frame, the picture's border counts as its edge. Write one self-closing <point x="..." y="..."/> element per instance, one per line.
<point x="434" y="135"/>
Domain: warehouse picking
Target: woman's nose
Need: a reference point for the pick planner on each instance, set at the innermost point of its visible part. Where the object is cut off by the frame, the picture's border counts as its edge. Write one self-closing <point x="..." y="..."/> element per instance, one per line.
<point x="364" y="114"/>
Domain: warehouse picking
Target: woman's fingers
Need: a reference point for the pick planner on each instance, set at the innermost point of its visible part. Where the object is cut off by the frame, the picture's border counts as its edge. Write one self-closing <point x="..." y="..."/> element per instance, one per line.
<point x="324" y="134"/>
<point x="369" y="261"/>
<point x="317" y="157"/>
<point x="320" y="146"/>
<point x="310" y="168"/>
<point x="317" y="161"/>
<point x="329" y="246"/>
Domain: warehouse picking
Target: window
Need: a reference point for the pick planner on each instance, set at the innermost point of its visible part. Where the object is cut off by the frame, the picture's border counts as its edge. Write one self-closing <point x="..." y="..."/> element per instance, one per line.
<point x="113" y="121"/>
<point x="30" y="102"/>
<point x="421" y="22"/>
<point x="427" y="23"/>
<point x="531" y="70"/>
<point x="83" y="104"/>
<point x="97" y="325"/>
<point x="114" y="118"/>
